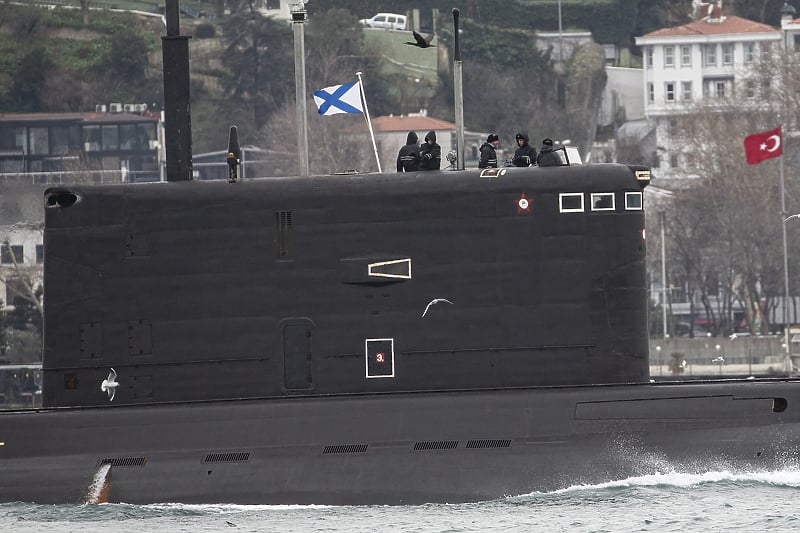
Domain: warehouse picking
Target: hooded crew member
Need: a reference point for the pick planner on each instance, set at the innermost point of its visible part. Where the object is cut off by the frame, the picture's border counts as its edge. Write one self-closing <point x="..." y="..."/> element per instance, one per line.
<point x="408" y="157"/>
<point x="547" y="157"/>
<point x="525" y="155"/>
<point x="430" y="153"/>
<point x="489" y="152"/>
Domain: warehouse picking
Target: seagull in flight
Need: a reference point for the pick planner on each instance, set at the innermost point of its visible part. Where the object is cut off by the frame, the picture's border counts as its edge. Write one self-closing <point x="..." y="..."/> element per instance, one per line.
<point x="422" y="42"/>
<point x="434" y="302"/>
<point x="110" y="385"/>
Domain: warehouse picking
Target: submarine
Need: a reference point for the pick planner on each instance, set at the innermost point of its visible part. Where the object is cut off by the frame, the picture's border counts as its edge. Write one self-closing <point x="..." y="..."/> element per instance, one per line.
<point x="440" y="336"/>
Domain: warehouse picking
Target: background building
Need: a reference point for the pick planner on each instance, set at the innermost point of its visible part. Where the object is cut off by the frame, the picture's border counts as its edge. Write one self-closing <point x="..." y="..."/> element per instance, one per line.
<point x="109" y="145"/>
<point x="708" y="59"/>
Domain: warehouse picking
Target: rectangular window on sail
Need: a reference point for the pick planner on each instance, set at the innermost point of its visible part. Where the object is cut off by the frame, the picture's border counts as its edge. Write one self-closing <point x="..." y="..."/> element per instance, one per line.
<point x="633" y="201"/>
<point x="602" y="201"/>
<point x="570" y="202"/>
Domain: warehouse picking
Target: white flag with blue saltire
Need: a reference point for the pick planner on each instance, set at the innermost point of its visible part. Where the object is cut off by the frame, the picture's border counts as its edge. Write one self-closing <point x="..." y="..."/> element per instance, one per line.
<point x="339" y="99"/>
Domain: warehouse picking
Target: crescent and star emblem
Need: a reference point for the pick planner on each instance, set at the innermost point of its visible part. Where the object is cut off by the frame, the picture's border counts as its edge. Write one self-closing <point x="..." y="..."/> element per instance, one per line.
<point x="776" y="143"/>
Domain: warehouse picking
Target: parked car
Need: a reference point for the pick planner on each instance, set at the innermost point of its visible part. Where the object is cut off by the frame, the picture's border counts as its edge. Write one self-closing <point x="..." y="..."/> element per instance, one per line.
<point x="391" y="21"/>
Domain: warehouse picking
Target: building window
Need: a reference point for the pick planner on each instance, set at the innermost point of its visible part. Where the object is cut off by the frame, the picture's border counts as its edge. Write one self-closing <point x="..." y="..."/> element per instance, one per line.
<point x="686" y="91"/>
<point x="669" y="56"/>
<point x="717" y="88"/>
<point x="148" y="136"/>
<point x="64" y="139"/>
<point x="92" y="139"/>
<point x="6" y="257"/>
<point x="727" y="54"/>
<point x="686" y="56"/>
<point x="749" y="52"/>
<point x="39" y="254"/>
<point x="602" y="201"/>
<point x="651" y="96"/>
<point x="40" y="142"/>
<point x="710" y="55"/>
<point x="127" y="137"/>
<point x="110" y="138"/>
<point x="669" y="91"/>
<point x="570" y="202"/>
<point x="766" y="87"/>
<point x="649" y="57"/>
<point x="673" y="160"/>
<point x="13" y="140"/>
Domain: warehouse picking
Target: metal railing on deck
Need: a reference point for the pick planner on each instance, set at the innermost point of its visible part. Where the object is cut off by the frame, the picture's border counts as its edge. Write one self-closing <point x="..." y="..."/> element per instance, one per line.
<point x="94" y="177"/>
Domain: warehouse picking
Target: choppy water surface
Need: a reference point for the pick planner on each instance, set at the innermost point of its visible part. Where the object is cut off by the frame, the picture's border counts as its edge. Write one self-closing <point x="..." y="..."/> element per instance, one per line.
<point x="715" y="501"/>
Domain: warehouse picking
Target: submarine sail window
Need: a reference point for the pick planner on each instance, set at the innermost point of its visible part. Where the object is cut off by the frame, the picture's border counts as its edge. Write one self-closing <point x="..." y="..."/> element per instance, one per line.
<point x="570" y="202"/>
<point x="633" y="201"/>
<point x="283" y="235"/>
<point x="603" y="201"/>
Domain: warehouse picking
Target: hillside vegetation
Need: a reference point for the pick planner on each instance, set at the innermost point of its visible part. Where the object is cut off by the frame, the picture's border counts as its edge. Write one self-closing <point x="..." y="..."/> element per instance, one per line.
<point x="51" y="60"/>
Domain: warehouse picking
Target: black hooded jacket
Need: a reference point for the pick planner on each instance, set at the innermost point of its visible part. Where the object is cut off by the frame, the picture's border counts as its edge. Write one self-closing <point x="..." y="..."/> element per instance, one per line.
<point x="547" y="157"/>
<point x="488" y="156"/>
<point x="525" y="155"/>
<point x="430" y="154"/>
<point x="408" y="157"/>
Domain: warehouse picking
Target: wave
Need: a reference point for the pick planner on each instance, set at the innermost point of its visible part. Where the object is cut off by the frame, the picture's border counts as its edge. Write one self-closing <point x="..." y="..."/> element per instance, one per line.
<point x="789" y="478"/>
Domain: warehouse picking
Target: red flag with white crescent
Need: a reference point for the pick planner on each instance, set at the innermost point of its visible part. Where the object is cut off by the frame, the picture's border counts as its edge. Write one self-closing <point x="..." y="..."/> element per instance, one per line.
<point x="761" y="146"/>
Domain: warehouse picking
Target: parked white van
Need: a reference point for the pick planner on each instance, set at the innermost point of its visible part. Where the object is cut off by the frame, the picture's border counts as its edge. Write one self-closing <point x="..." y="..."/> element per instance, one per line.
<point x="392" y="21"/>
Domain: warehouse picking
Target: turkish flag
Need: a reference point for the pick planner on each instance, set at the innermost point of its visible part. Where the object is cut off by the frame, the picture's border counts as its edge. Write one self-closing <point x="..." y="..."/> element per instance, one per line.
<point x="761" y="146"/>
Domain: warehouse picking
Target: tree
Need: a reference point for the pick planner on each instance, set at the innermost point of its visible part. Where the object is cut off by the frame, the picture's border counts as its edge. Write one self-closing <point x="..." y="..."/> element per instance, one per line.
<point x="124" y="65"/>
<point x="19" y="282"/>
<point x="731" y="214"/>
<point x="85" y="11"/>
<point x="29" y="77"/>
<point x="3" y="330"/>
<point x="259" y="64"/>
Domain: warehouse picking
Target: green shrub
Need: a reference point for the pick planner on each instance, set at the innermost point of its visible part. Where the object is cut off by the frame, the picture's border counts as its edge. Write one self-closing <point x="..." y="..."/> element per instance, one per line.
<point x="205" y="30"/>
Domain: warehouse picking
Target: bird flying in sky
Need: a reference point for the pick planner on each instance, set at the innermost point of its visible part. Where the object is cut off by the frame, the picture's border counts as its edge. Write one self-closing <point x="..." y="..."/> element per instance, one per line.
<point x="422" y="42"/>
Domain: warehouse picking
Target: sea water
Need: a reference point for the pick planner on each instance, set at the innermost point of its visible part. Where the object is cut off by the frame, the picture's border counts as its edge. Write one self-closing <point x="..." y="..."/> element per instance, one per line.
<point x="714" y="501"/>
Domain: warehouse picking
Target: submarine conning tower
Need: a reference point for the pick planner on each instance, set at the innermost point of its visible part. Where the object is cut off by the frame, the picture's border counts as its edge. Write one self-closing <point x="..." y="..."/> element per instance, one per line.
<point x="298" y="287"/>
<point x="330" y="285"/>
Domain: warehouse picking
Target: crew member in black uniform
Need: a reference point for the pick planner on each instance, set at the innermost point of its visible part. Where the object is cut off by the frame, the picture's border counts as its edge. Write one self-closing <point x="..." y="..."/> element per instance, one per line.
<point x="547" y="157"/>
<point x="430" y="153"/>
<point x="408" y="157"/>
<point x="525" y="155"/>
<point x="489" y="152"/>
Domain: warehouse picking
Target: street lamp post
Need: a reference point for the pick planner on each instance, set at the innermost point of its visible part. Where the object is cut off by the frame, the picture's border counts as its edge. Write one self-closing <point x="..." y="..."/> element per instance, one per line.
<point x="663" y="273"/>
<point x="658" y="351"/>
<point x="560" y="39"/>
<point x="786" y="277"/>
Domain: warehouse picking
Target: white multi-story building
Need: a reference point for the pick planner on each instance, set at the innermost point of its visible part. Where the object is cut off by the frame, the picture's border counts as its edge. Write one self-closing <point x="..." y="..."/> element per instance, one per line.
<point x="710" y="58"/>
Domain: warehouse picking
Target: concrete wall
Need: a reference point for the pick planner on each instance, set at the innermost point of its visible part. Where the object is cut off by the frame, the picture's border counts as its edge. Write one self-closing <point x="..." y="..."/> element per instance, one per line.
<point x="742" y="355"/>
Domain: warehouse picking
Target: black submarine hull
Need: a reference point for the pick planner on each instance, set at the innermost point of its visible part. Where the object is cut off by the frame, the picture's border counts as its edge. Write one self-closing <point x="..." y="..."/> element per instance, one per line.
<point x="406" y="448"/>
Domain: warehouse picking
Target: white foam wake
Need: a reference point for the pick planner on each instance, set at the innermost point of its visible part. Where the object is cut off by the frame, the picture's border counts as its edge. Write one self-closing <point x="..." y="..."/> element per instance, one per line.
<point x="98" y="484"/>
<point x="786" y="478"/>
